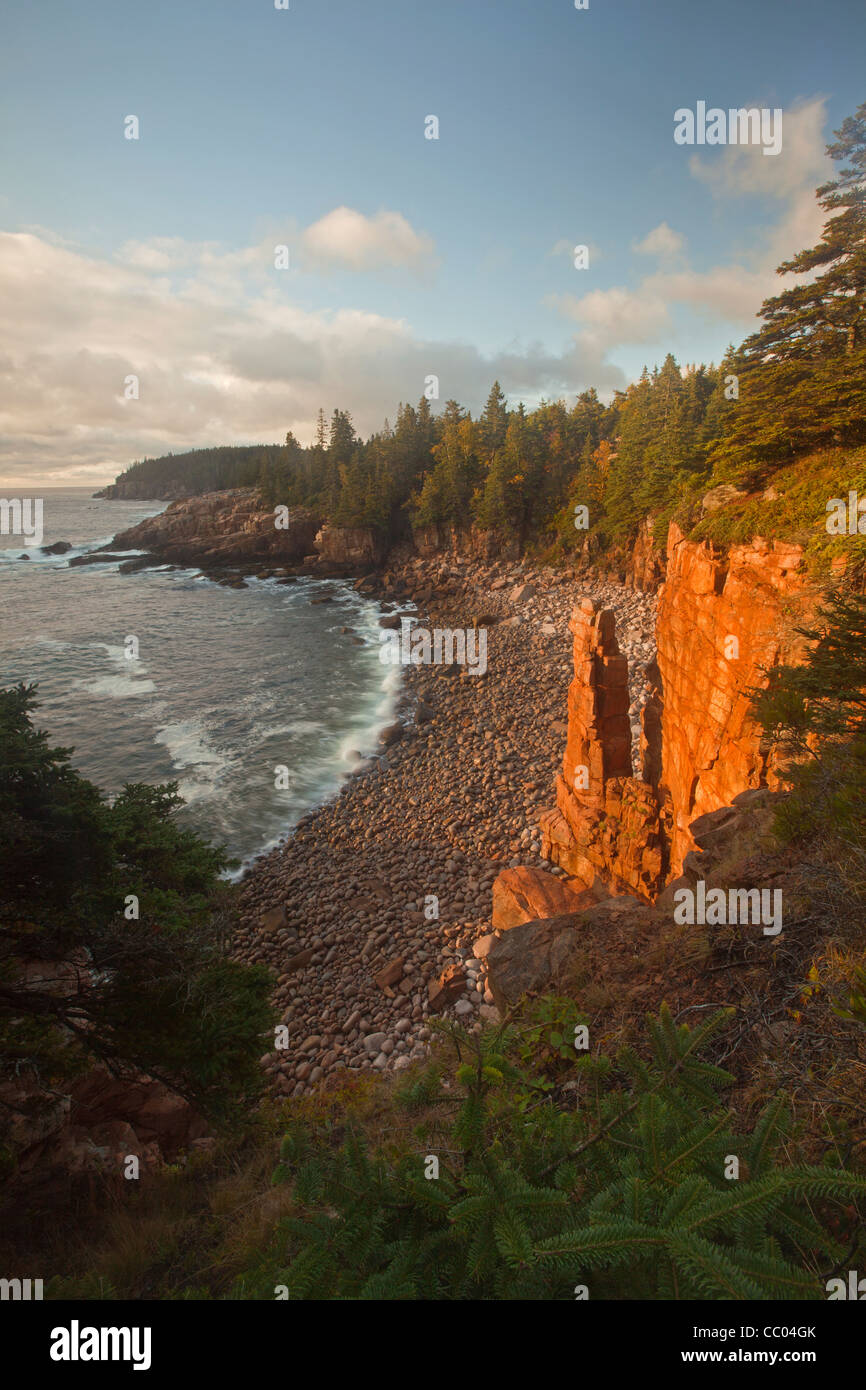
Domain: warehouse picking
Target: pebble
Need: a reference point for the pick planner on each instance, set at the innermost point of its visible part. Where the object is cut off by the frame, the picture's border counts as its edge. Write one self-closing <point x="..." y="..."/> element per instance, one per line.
<point x="400" y="863"/>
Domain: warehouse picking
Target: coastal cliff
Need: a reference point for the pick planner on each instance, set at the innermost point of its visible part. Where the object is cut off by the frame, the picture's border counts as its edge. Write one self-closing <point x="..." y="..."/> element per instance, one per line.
<point x="658" y="740"/>
<point x="605" y="829"/>
<point x="724" y="620"/>
<point x="725" y="617"/>
<point x="230" y="527"/>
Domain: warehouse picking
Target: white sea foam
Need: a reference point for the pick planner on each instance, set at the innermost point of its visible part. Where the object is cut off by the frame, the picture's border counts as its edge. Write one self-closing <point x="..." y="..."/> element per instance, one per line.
<point x="130" y="682"/>
<point x="117" y="655"/>
<point x="12" y="555"/>
<point x="189" y="749"/>
<point x="298" y="726"/>
<point x="118" y="687"/>
<point x="56" y="643"/>
<point x="16" y="554"/>
<point x="187" y="744"/>
<point x="221" y="751"/>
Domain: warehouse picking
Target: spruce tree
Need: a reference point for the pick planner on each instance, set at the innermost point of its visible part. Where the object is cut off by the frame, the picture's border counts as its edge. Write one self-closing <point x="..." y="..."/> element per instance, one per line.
<point x="626" y="1188"/>
<point x="493" y="424"/>
<point x="124" y="905"/>
<point x="802" y="374"/>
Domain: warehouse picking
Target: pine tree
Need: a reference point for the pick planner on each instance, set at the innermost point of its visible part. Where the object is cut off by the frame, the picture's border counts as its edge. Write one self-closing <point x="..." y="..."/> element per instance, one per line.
<point x="446" y="491"/>
<point x="266" y="481"/>
<point x="154" y="992"/>
<point x="506" y="497"/>
<point x="493" y="424"/>
<point x="425" y="428"/>
<point x="802" y="375"/>
<point x="636" y="433"/>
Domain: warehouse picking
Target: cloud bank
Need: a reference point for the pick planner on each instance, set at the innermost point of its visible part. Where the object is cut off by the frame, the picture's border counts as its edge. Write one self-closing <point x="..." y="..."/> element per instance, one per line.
<point x="220" y="352"/>
<point x="224" y="353"/>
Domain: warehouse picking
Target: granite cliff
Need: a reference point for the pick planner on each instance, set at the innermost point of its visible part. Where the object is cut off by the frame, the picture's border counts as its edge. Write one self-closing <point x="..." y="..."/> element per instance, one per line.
<point x="222" y="528"/>
<point x="724" y="619"/>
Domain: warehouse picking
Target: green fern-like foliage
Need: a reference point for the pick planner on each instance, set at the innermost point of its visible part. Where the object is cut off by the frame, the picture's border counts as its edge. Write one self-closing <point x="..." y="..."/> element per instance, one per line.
<point x="624" y="1182"/>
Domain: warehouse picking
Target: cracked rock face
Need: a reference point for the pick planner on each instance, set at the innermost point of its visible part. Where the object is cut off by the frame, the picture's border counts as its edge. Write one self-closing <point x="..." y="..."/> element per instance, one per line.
<point x="722" y="621"/>
<point x="606" y="828"/>
<point x="227" y="527"/>
<point x="524" y="894"/>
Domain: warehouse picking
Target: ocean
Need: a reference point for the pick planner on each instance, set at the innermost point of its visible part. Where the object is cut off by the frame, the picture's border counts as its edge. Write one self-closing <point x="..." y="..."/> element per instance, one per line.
<point x="252" y="700"/>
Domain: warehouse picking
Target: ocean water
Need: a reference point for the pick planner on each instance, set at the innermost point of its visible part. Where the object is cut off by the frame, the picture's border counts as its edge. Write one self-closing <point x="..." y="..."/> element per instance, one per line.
<point x="227" y="685"/>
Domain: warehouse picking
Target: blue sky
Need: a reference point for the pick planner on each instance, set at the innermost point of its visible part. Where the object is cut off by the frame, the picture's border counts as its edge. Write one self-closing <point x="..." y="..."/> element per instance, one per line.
<point x="409" y="256"/>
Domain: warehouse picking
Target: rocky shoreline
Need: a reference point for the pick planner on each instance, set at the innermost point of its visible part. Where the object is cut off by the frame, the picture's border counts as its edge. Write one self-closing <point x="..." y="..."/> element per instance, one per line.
<point x="376" y="915"/>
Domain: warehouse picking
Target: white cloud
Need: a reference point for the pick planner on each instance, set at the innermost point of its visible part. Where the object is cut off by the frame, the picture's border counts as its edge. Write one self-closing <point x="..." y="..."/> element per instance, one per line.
<point x="732" y="292"/>
<point x="734" y="170"/>
<point x="164" y="253"/>
<point x="616" y="316"/>
<point x="345" y="239"/>
<point x="790" y="178"/>
<point x="222" y="353"/>
<point x="661" y="241"/>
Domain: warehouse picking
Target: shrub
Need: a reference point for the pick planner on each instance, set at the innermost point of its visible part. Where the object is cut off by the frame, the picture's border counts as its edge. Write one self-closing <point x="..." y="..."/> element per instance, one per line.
<point x="615" y="1180"/>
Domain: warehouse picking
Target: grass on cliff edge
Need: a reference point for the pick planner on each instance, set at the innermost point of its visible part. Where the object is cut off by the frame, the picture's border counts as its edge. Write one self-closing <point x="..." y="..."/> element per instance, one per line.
<point x="799" y="513"/>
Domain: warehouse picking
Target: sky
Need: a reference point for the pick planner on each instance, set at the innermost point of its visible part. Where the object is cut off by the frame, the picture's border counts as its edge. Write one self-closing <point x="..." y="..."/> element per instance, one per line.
<point x="408" y="258"/>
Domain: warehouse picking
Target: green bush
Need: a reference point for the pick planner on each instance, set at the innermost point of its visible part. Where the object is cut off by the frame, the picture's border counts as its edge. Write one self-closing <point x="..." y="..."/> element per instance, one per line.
<point x="614" y="1181"/>
<point x="816" y="713"/>
<point x="141" y="985"/>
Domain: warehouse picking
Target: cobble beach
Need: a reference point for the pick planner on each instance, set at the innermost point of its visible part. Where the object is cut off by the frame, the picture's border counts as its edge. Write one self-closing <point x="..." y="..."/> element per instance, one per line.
<point x="389" y="884"/>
